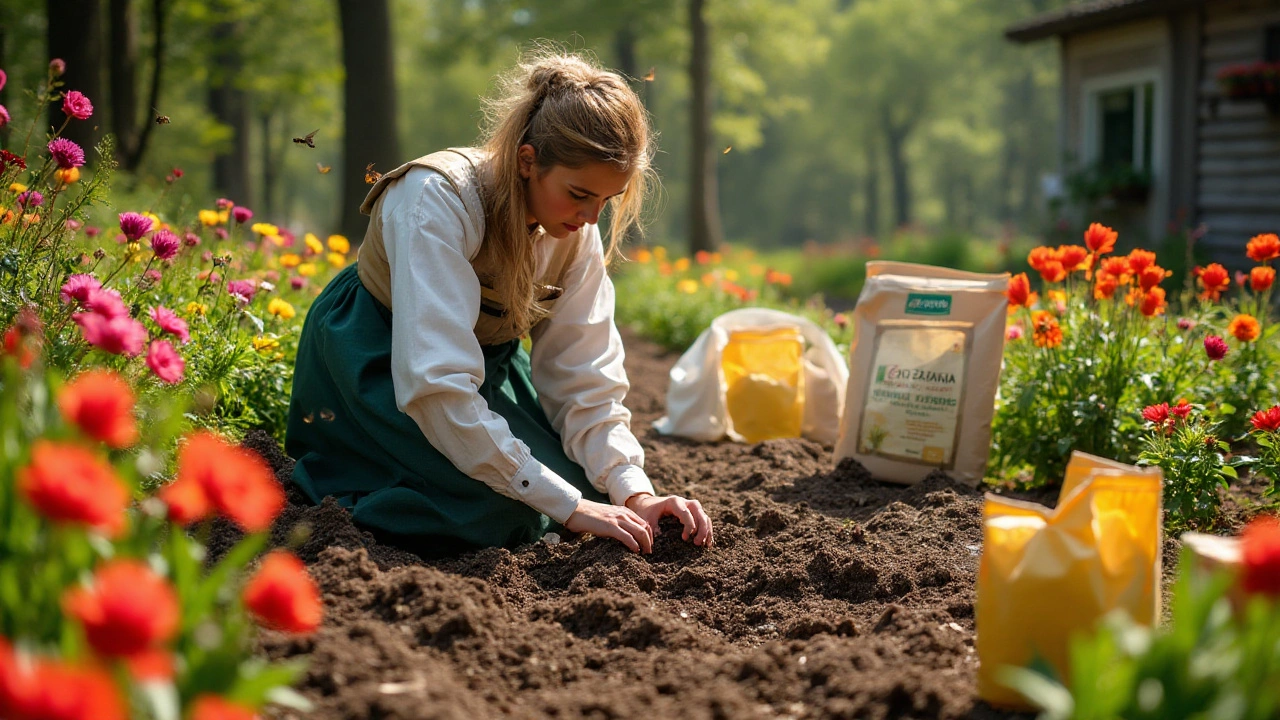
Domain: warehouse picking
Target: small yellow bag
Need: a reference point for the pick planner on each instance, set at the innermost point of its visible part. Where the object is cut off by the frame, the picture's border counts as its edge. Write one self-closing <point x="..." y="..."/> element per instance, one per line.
<point x="1046" y="575"/>
<point x="764" y="382"/>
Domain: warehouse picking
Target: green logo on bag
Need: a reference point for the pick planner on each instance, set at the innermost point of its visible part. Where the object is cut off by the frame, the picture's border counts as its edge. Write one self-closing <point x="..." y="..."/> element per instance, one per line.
<point x="921" y="304"/>
<point x="880" y="374"/>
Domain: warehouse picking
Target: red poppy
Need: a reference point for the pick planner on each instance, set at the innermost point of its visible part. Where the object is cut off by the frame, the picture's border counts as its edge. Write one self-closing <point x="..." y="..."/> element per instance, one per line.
<point x="100" y="403"/>
<point x="1117" y="267"/>
<point x="128" y="610"/>
<point x="1053" y="272"/>
<point x="1152" y="276"/>
<point x="234" y="481"/>
<point x="1267" y="420"/>
<point x="1261" y="278"/>
<point x="213" y="707"/>
<point x="1100" y="239"/>
<point x="19" y="347"/>
<point x="1040" y="257"/>
<point x="283" y="596"/>
<point x="1140" y="260"/>
<point x="1105" y="287"/>
<point x="1215" y="280"/>
<point x="1019" y="292"/>
<point x="38" y="689"/>
<point x="1073" y="257"/>
<point x="69" y="484"/>
<point x="1261" y="556"/>
<point x="1262" y="248"/>
<point x="1153" y="302"/>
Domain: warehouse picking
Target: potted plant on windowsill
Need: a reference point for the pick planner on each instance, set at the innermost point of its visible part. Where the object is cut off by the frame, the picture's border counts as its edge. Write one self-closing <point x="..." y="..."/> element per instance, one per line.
<point x="1252" y="81"/>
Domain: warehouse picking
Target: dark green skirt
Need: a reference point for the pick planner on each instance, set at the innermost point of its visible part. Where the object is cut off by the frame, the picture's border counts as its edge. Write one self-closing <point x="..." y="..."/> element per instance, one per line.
<point x="352" y="442"/>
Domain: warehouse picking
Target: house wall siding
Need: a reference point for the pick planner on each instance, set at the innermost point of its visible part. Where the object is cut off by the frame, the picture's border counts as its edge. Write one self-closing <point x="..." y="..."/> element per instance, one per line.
<point x="1238" y="163"/>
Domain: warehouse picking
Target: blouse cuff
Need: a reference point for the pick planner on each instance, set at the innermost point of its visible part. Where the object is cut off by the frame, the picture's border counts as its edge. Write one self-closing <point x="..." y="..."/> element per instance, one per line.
<point x="625" y="481"/>
<point x="539" y="487"/>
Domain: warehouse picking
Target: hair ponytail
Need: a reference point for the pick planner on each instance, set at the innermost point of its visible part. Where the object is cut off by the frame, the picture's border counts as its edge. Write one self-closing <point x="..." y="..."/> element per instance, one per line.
<point x="572" y="113"/>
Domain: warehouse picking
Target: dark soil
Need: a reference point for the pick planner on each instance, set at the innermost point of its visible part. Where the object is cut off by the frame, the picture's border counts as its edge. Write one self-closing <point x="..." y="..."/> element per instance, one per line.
<point x="826" y="594"/>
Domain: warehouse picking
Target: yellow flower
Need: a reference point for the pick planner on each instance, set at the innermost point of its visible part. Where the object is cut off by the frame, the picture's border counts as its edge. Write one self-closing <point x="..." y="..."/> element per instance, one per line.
<point x="281" y="308"/>
<point x="731" y="275"/>
<point x="155" y="219"/>
<point x="644" y="256"/>
<point x="755" y="270"/>
<point x="659" y="253"/>
<point x="265" y="229"/>
<point x="314" y="246"/>
<point x="290" y="260"/>
<point x="682" y="264"/>
<point x="223" y="216"/>
<point x="264" y="344"/>
<point x="687" y="286"/>
<point x="307" y="269"/>
<point x="339" y="244"/>
<point x="66" y="176"/>
<point x="195" y="308"/>
<point x="17" y="188"/>
<point x="208" y="218"/>
<point x="132" y="249"/>
<point x="337" y="259"/>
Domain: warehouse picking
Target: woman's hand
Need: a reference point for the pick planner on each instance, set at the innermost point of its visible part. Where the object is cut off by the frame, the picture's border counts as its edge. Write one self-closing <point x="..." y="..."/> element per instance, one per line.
<point x="651" y="508"/>
<point x="619" y="523"/>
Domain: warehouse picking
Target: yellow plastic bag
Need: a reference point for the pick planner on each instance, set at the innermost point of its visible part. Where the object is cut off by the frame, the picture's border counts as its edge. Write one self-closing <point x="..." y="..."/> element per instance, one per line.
<point x="764" y="382"/>
<point x="1046" y="575"/>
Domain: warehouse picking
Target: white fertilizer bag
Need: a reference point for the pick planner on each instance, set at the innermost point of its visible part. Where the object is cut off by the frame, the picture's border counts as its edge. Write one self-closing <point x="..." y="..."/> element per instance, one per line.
<point x="925" y="365"/>
<point x="700" y="397"/>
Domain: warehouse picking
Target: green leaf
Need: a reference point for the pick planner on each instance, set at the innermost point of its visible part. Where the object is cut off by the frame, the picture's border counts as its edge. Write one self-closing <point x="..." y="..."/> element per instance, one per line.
<point x="1050" y="696"/>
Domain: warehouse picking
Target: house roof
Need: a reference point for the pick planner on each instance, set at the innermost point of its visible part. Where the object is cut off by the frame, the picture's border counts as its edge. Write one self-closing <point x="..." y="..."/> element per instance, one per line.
<point x="1089" y="16"/>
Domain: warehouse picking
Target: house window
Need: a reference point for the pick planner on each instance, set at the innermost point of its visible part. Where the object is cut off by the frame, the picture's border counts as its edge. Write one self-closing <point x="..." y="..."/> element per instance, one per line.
<point x="1120" y="120"/>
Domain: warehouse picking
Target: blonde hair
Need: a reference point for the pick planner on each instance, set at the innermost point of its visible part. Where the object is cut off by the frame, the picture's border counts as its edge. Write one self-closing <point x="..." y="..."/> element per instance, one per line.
<point x="572" y="113"/>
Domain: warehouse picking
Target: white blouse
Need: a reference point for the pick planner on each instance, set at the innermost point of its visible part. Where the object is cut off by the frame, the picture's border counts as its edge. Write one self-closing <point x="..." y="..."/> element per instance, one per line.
<point x="437" y="366"/>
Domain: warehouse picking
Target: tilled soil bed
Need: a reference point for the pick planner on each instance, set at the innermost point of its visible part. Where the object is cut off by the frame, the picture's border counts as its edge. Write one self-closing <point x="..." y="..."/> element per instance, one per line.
<point x="826" y="594"/>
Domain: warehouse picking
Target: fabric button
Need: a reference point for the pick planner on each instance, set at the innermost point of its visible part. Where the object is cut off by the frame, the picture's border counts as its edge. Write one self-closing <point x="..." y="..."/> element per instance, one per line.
<point x="524" y="483"/>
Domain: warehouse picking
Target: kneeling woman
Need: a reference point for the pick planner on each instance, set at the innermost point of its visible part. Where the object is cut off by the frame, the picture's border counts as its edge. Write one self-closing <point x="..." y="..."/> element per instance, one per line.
<point x="414" y="403"/>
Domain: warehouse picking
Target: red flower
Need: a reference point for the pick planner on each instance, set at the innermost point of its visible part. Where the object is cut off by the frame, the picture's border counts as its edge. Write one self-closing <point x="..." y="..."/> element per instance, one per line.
<point x="1046" y="332"/>
<point x="1040" y="257"/>
<point x="128" y="610"/>
<point x="1264" y="247"/>
<point x="1261" y="555"/>
<point x="1100" y="239"/>
<point x="1073" y="257"/>
<point x="1215" y="280"/>
<point x="1053" y="271"/>
<point x="1181" y="410"/>
<point x="234" y="481"/>
<point x="1105" y="287"/>
<point x="702" y="257"/>
<point x="1117" y="267"/>
<point x="1267" y="420"/>
<point x="1157" y="415"/>
<point x="1140" y="260"/>
<point x="1019" y="292"/>
<point x="1153" y="302"/>
<point x="100" y="403"/>
<point x="18" y="346"/>
<point x="1244" y="328"/>
<point x="282" y="596"/>
<point x="38" y="689"/>
<point x="1215" y="347"/>
<point x="212" y="707"/>
<point x="1261" y="278"/>
<point x="1152" y="276"/>
<point x="69" y="484"/>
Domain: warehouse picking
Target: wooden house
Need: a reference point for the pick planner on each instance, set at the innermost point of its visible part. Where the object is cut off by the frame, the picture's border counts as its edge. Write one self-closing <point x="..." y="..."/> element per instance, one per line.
<point x="1172" y="107"/>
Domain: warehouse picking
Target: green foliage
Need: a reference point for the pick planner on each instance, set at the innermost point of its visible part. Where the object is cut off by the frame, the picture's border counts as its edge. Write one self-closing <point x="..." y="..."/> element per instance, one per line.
<point x="1207" y="663"/>
<point x="1190" y="454"/>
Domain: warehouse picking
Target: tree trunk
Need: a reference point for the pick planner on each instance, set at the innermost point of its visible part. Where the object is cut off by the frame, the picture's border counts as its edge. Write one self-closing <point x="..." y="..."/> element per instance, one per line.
<point x="896" y="139"/>
<point x="269" y="173"/>
<point x="704" y="190"/>
<point x="75" y="35"/>
<point x="229" y="106"/>
<point x="624" y="47"/>
<point x="131" y="128"/>
<point x="369" y="104"/>
<point x="871" y="188"/>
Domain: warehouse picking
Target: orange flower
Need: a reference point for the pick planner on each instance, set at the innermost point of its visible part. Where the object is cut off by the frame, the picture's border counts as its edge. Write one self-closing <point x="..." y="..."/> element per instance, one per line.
<point x="38" y="689"/>
<point x="1100" y="239"/>
<point x="212" y="707"/>
<point x="1053" y="271"/>
<point x="1117" y="267"/>
<point x="1140" y="260"/>
<point x="702" y="257"/>
<point x="1073" y="257"/>
<point x="1261" y="278"/>
<point x="1019" y="292"/>
<point x="1261" y="557"/>
<point x="1215" y="280"/>
<point x="1106" y="286"/>
<point x="1047" y="334"/>
<point x="1040" y="257"/>
<point x="1245" y="328"/>
<point x="100" y="403"/>
<point x="127" y="611"/>
<point x="215" y="475"/>
<point x="282" y="596"/>
<point x="69" y="484"/>
<point x="1153" y="302"/>
<point x="1152" y="276"/>
<point x="1264" y="247"/>
<point x="16" y="345"/>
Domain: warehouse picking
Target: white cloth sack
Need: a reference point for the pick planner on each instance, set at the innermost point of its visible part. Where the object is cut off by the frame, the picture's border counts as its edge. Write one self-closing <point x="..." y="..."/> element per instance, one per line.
<point x="696" y="396"/>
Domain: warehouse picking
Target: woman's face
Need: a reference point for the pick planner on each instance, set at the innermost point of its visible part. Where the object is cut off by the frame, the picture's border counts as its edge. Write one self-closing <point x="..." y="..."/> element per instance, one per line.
<point x="563" y="199"/>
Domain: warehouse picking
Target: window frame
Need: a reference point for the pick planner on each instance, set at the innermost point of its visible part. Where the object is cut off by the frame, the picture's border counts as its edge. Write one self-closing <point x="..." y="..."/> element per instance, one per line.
<point x="1092" y="88"/>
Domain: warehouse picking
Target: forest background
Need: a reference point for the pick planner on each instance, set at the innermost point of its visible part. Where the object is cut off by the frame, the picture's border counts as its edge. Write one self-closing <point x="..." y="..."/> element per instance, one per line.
<point x="781" y="123"/>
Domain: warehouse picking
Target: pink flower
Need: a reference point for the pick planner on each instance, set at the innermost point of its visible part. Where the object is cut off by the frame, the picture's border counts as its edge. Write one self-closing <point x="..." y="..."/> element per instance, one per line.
<point x="31" y="199"/>
<point x="3" y="78"/>
<point x="134" y="226"/>
<point x="66" y="153"/>
<point x="73" y="224"/>
<point x="92" y="231"/>
<point x="1215" y="347"/>
<point x="152" y="276"/>
<point x="241" y="214"/>
<point x="1186" y="323"/>
<point x="1013" y="333"/>
<point x="57" y="66"/>
<point x="190" y="239"/>
<point x="225" y="204"/>
<point x="165" y="244"/>
<point x="76" y="105"/>
<point x="220" y="233"/>
<point x="79" y="287"/>
<point x="120" y="335"/>
<point x="107" y="302"/>
<point x="177" y="172"/>
<point x="165" y="362"/>
<point x="169" y="322"/>
<point x="4" y="116"/>
<point x="297" y="282"/>
<point x="243" y="289"/>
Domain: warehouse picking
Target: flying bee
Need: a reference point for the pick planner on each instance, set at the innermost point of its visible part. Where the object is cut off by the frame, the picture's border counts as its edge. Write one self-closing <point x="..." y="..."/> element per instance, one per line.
<point x="726" y="150"/>
<point x="370" y="175"/>
<point x="324" y="169"/>
<point x="161" y="119"/>
<point x="309" y="140"/>
<point x="649" y="77"/>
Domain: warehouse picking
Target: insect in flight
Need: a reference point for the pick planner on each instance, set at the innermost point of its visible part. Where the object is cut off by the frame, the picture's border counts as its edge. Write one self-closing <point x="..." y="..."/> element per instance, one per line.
<point x="309" y="140"/>
<point x="370" y="175"/>
<point x="324" y="169"/>
<point x="649" y="77"/>
<point x="161" y="119"/>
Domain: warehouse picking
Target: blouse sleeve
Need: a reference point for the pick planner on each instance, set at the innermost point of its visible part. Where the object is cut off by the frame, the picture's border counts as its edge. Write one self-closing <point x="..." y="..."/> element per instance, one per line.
<point x="437" y="366"/>
<point x="578" y="373"/>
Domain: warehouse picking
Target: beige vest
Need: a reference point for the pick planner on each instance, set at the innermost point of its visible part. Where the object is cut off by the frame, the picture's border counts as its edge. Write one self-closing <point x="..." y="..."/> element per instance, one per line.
<point x="459" y="166"/>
